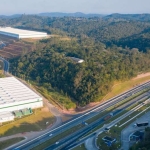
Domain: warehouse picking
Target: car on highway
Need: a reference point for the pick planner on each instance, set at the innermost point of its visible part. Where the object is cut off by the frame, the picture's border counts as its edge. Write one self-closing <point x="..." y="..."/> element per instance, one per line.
<point x="107" y="129"/>
<point x="50" y="134"/>
<point x="57" y="142"/>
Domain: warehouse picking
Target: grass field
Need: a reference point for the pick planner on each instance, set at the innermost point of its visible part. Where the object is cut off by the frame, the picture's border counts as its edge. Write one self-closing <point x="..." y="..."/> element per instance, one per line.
<point x="10" y="142"/>
<point x="119" y="87"/>
<point x="80" y="147"/>
<point x="59" y="100"/>
<point x="35" y="122"/>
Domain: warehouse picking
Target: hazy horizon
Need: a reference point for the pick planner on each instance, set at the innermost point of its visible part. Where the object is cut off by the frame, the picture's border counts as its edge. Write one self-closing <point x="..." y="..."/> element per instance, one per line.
<point x="68" y="13"/>
<point x="8" y="7"/>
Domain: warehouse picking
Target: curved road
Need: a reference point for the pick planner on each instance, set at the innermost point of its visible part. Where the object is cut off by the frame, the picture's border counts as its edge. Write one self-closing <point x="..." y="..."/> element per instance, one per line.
<point x="6" y="65"/>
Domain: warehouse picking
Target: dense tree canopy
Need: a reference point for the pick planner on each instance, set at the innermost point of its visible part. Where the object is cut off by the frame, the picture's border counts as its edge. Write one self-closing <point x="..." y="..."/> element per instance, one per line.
<point x="122" y="30"/>
<point x="85" y="82"/>
<point x="114" y="47"/>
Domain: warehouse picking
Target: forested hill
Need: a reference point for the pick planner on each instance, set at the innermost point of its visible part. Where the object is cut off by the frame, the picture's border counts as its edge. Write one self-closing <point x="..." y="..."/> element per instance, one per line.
<point x="85" y="82"/>
<point x="118" y="29"/>
<point x="114" y="47"/>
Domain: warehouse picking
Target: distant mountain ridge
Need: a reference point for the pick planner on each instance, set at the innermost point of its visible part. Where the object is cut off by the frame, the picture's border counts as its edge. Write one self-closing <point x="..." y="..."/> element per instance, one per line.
<point x="11" y="16"/>
<point x="57" y="14"/>
<point x="77" y="14"/>
<point x="115" y="16"/>
<point x="141" y="17"/>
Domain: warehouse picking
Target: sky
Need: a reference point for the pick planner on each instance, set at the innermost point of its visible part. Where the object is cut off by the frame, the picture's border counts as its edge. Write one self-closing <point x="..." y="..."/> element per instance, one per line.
<point x="9" y="7"/>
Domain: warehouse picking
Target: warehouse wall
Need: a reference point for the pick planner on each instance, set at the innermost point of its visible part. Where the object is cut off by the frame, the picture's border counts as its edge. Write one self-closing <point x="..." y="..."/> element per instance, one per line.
<point x="11" y="108"/>
<point x="32" y="36"/>
<point x="10" y="34"/>
<point x="5" y="119"/>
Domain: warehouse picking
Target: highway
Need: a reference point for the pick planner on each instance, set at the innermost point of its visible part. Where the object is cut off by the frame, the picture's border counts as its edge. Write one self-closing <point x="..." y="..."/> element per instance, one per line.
<point x="67" y="142"/>
<point x="89" y="114"/>
<point x="6" y="65"/>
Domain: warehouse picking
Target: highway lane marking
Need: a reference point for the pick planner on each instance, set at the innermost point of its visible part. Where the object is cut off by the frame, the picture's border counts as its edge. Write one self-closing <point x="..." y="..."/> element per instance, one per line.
<point x="134" y="116"/>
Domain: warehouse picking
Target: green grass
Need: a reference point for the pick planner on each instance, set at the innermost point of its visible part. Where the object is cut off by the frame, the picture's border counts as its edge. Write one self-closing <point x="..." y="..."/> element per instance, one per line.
<point x="7" y="143"/>
<point x="60" y="100"/>
<point x="121" y="87"/>
<point x="58" y="137"/>
<point x="35" y="122"/>
<point x="80" y="147"/>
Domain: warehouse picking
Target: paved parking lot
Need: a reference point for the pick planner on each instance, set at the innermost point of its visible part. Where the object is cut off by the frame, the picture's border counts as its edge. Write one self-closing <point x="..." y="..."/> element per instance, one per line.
<point x="130" y="129"/>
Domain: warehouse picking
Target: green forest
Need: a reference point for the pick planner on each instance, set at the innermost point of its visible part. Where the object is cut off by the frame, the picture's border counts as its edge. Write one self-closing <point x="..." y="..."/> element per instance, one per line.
<point x="114" y="48"/>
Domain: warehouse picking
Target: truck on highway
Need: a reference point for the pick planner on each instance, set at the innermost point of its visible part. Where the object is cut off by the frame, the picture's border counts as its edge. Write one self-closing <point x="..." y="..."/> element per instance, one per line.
<point x="84" y="123"/>
<point x="108" y="116"/>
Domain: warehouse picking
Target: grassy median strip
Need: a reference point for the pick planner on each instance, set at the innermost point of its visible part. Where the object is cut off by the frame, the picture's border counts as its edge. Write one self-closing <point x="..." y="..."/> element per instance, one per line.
<point x="111" y="108"/>
<point x="80" y="147"/>
<point x="7" y="143"/>
<point x="129" y="98"/>
<point x="58" y="137"/>
<point x="113" y="118"/>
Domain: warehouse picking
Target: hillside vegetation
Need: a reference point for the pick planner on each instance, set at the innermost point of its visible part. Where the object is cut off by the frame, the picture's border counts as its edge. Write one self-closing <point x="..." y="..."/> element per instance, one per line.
<point x="114" y="48"/>
<point x="87" y="82"/>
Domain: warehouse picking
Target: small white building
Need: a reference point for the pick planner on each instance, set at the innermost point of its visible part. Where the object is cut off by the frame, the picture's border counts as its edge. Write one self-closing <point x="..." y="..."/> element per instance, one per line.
<point x="20" y="34"/>
<point x="77" y="60"/>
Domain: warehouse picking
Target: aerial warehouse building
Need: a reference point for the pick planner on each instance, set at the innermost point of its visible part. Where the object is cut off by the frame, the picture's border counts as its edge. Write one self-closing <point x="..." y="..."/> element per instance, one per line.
<point x="20" y="34"/>
<point x="15" y="96"/>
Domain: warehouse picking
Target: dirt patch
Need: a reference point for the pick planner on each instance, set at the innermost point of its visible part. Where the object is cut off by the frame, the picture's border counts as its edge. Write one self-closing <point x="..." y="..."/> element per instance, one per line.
<point x="142" y="75"/>
<point x="45" y="109"/>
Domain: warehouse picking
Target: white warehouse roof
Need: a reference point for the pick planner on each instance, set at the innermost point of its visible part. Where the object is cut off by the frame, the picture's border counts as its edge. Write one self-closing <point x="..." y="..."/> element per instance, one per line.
<point x="13" y="92"/>
<point x="19" y="33"/>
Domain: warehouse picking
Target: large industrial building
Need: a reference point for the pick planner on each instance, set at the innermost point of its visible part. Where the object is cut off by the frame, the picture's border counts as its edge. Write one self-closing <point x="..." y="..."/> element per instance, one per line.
<point x="16" y="98"/>
<point x="19" y="33"/>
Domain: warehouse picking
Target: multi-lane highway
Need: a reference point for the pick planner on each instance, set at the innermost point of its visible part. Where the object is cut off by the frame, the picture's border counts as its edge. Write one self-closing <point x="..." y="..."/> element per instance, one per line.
<point x="89" y="114"/>
<point x="5" y="65"/>
<point x="67" y="142"/>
